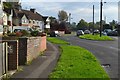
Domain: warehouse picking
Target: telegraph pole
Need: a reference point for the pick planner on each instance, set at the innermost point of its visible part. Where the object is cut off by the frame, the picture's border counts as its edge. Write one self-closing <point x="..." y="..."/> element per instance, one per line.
<point x="101" y="4"/>
<point x="93" y="19"/>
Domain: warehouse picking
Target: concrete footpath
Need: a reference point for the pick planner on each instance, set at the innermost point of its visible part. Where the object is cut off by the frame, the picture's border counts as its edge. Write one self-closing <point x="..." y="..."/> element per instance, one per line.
<point x="42" y="66"/>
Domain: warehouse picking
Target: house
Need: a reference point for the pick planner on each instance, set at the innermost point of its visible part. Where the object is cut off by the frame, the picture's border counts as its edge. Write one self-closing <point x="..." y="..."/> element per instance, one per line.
<point x="28" y="18"/>
<point x="35" y="19"/>
<point x="19" y="17"/>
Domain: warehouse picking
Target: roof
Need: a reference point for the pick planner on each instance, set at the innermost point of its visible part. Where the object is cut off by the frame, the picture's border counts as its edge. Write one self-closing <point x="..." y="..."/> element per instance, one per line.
<point x="33" y="16"/>
<point x="28" y="14"/>
<point x="7" y="10"/>
<point x="18" y="13"/>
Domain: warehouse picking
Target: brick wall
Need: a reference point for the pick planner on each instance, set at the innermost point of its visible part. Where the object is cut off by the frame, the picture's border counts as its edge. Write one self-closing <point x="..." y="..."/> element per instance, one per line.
<point x="43" y="44"/>
<point x="30" y="48"/>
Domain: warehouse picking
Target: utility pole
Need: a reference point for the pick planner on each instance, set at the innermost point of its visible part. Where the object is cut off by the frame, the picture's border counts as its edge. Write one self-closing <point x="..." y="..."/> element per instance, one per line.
<point x="93" y="20"/>
<point x="69" y="18"/>
<point x="101" y="4"/>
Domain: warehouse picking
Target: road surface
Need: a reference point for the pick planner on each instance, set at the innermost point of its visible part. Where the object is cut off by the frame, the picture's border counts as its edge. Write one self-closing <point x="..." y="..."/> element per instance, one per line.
<point x="105" y="51"/>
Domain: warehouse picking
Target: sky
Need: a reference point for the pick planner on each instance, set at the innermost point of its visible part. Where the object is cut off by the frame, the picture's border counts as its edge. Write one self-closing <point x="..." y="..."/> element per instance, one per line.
<point x="79" y="9"/>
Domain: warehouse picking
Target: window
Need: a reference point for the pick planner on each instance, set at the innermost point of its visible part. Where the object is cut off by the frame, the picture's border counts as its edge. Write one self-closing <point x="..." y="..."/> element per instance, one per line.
<point x="29" y="21"/>
<point x="33" y="22"/>
<point x="37" y="22"/>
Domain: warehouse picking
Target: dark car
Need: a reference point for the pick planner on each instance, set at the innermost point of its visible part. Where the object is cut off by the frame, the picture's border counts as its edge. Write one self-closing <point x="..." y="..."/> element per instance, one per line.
<point x="79" y="32"/>
<point x="113" y="33"/>
<point x="86" y="32"/>
<point x="107" y="30"/>
<point x="52" y="34"/>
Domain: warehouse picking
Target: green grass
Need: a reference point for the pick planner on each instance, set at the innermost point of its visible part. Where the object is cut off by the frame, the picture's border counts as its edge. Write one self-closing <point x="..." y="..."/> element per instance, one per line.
<point x="76" y="62"/>
<point x="56" y="40"/>
<point x="96" y="37"/>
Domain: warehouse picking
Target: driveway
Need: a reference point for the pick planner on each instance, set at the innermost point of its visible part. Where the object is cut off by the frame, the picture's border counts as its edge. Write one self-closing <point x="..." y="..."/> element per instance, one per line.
<point x="105" y="51"/>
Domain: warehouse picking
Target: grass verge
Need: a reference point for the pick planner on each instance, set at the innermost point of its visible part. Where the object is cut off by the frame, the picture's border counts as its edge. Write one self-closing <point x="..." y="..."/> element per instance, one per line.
<point x="56" y="41"/>
<point x="96" y="37"/>
<point x="77" y="62"/>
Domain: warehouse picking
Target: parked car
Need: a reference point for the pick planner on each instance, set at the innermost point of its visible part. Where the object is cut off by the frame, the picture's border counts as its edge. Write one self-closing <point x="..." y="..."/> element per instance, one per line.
<point x="57" y="33"/>
<point x="86" y="32"/>
<point x="79" y="32"/>
<point x="52" y="34"/>
<point x="104" y="33"/>
<point x="107" y="30"/>
<point x="96" y="31"/>
<point x="113" y="33"/>
<point x="22" y="28"/>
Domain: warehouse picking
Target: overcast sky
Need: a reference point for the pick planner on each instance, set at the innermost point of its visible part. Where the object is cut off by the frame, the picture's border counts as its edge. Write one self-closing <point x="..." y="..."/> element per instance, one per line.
<point x="78" y="9"/>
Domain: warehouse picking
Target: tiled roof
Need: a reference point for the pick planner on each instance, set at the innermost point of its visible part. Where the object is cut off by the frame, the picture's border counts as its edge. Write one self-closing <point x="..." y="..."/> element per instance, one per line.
<point x="29" y="14"/>
<point x="33" y="16"/>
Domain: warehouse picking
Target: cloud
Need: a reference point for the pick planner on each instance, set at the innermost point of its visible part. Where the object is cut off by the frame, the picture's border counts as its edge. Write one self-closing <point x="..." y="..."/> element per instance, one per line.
<point x="68" y="0"/>
<point x="78" y="10"/>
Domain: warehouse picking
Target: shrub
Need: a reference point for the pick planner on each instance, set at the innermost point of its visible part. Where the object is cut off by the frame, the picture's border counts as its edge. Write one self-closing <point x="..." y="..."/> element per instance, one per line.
<point x="34" y="33"/>
<point x="12" y="34"/>
<point x="25" y="33"/>
<point x="41" y="34"/>
<point x="18" y="34"/>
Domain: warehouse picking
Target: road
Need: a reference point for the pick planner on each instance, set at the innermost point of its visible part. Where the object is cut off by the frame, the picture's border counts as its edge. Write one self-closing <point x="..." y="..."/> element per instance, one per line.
<point x="105" y="51"/>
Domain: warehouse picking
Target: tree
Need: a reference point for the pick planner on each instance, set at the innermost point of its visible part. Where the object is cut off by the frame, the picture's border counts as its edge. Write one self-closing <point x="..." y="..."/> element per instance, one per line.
<point x="52" y="19"/>
<point x="82" y="25"/>
<point x="73" y="26"/>
<point x="113" y="24"/>
<point x="62" y="15"/>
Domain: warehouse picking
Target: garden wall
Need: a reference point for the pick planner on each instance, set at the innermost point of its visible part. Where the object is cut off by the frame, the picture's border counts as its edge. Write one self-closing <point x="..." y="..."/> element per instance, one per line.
<point x="30" y="48"/>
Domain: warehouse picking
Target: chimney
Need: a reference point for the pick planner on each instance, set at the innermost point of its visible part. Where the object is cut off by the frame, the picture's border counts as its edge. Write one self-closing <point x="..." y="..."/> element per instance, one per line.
<point x="32" y="10"/>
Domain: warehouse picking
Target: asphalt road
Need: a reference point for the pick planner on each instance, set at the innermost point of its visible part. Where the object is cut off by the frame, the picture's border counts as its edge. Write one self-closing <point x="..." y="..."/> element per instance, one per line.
<point x="105" y="51"/>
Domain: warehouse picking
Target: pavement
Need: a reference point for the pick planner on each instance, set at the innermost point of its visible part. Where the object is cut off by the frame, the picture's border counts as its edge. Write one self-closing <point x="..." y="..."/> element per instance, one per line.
<point x="41" y="67"/>
<point x="105" y="51"/>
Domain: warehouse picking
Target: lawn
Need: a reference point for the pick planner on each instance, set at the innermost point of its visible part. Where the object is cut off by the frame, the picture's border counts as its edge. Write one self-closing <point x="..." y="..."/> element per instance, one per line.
<point x="77" y="62"/>
<point x="56" y="40"/>
<point x="96" y="37"/>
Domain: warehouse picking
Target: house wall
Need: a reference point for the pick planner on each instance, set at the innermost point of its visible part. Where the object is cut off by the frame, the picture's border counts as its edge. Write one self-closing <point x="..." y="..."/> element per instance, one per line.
<point x="16" y="21"/>
<point x="25" y="21"/>
<point x="31" y="23"/>
<point x="41" y="25"/>
<point x="4" y="19"/>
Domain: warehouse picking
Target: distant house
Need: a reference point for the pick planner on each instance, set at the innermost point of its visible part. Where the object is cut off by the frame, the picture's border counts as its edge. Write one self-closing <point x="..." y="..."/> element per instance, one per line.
<point x="19" y="18"/>
<point x="28" y="18"/>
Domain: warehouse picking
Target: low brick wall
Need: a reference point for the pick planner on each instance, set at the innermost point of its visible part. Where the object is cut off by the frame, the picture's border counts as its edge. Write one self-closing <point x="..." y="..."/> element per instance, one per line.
<point x="43" y="44"/>
<point x="30" y="48"/>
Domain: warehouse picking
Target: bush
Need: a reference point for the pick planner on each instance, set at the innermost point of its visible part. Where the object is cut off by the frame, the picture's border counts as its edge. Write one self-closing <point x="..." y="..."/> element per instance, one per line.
<point x="41" y="34"/>
<point x="18" y="34"/>
<point x="25" y="33"/>
<point x="34" y="33"/>
<point x="12" y="34"/>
